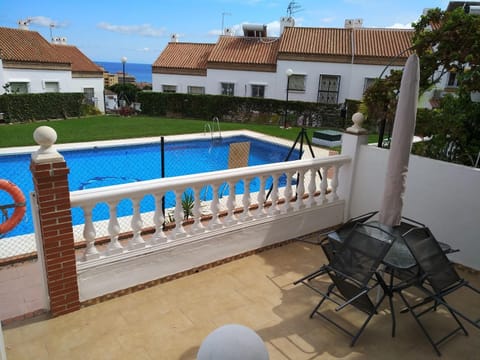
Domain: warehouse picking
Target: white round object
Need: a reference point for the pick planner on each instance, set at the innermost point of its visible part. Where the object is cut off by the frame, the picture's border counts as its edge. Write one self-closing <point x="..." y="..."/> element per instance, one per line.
<point x="45" y="136"/>
<point x="233" y="342"/>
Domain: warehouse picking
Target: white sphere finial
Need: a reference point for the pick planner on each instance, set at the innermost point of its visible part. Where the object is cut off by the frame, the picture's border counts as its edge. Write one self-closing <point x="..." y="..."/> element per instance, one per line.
<point x="233" y="342"/>
<point x="357" y="120"/>
<point x="45" y="136"/>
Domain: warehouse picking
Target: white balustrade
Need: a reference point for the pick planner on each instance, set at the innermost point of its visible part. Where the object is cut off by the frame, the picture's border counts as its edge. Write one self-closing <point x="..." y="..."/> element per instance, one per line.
<point x="219" y="213"/>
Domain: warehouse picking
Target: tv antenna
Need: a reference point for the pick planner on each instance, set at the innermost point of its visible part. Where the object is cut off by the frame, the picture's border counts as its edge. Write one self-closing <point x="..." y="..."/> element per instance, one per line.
<point x="223" y="20"/>
<point x="52" y="25"/>
<point x="292" y="8"/>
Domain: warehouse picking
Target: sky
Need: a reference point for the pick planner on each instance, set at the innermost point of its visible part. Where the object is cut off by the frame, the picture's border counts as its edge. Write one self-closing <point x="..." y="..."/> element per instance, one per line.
<point x="106" y="30"/>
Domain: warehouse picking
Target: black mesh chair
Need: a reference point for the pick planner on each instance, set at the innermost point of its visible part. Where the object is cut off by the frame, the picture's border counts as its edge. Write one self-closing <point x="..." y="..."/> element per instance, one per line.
<point x="353" y="275"/>
<point x="437" y="279"/>
<point x="348" y="226"/>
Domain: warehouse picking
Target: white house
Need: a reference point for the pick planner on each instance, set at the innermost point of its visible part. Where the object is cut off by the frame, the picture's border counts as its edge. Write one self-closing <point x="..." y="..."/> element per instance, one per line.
<point x="30" y="64"/>
<point x="325" y="65"/>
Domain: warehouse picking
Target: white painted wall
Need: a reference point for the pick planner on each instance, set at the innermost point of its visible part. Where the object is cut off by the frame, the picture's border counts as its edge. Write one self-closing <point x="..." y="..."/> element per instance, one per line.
<point x="441" y="195"/>
<point x="182" y="82"/>
<point x="351" y="83"/>
<point x="37" y="78"/>
<point x="243" y="81"/>
<point x="78" y="84"/>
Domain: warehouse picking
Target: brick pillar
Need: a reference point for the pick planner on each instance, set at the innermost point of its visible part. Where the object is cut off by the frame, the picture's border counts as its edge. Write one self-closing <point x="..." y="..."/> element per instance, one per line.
<point x="50" y="171"/>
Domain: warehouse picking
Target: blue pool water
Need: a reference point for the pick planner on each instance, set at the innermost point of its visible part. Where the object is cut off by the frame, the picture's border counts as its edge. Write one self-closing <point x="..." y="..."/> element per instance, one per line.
<point x="104" y="166"/>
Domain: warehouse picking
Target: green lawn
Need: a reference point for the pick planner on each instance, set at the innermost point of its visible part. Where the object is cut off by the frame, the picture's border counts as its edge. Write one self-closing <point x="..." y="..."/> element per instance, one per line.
<point x="116" y="127"/>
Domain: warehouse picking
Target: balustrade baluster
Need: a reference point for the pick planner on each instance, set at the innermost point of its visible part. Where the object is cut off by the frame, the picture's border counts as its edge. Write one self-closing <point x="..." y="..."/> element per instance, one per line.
<point x="274" y="195"/>
<point x="113" y="230"/>
<point x="299" y="204"/>
<point x="215" y="223"/>
<point x="287" y="193"/>
<point x="197" y="226"/>
<point x="136" y="241"/>
<point x="159" y="220"/>
<point x="246" y="201"/>
<point x="230" y="218"/>
<point x="324" y="185"/>
<point x="179" y="216"/>
<point x="334" y="183"/>
<point x="261" y="198"/>
<point x="312" y="186"/>
<point x="89" y="234"/>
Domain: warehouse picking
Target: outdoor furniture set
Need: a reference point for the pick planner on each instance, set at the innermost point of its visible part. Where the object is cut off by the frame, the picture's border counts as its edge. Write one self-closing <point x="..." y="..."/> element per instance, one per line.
<point x="368" y="262"/>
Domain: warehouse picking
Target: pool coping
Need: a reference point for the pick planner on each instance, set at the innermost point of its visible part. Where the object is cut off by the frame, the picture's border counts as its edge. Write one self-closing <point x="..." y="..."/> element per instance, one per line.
<point x="319" y="152"/>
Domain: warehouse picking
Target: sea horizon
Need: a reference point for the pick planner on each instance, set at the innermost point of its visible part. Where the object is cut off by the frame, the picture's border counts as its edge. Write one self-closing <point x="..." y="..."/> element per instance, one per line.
<point x="141" y="72"/>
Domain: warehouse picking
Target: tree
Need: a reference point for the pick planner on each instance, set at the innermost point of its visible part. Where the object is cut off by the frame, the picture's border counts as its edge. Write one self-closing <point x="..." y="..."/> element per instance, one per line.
<point x="128" y="90"/>
<point x="446" y="42"/>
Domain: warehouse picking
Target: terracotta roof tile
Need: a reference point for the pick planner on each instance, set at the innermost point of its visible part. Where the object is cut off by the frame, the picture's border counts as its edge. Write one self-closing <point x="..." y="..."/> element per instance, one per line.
<point x="369" y="42"/>
<point x="315" y="41"/>
<point x="80" y="62"/>
<point x="28" y="46"/>
<point x="382" y="42"/>
<point x="245" y="50"/>
<point x="187" y="56"/>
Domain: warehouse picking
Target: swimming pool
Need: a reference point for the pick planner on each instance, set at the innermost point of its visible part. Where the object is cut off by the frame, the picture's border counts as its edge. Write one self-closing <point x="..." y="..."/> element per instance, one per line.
<point x="111" y="165"/>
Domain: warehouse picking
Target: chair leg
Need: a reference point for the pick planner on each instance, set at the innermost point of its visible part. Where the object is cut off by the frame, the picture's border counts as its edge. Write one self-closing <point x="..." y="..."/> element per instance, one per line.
<point x="329" y="291"/>
<point x="392" y="311"/>
<point x="411" y="311"/>
<point x="359" y="332"/>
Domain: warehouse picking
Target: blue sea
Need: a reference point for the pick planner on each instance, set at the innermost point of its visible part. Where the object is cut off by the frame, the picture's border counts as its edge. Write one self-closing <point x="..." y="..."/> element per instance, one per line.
<point x="142" y="72"/>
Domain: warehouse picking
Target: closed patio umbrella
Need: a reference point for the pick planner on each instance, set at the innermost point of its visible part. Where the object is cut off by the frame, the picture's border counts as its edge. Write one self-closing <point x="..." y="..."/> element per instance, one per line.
<point x="403" y="131"/>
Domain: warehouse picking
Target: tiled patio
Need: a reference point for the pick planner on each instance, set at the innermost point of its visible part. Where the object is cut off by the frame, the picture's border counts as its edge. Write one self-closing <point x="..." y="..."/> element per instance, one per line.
<point x="170" y="320"/>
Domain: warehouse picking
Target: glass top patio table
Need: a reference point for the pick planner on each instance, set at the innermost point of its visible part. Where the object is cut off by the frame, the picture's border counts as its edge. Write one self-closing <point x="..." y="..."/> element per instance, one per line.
<point x="399" y="256"/>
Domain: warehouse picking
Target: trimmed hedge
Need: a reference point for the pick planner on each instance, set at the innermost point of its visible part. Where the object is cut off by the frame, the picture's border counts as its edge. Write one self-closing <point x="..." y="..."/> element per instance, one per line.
<point x="243" y="109"/>
<point x="31" y="107"/>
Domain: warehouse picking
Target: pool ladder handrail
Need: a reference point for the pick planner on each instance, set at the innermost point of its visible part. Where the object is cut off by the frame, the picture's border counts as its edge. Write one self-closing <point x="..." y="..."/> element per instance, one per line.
<point x="212" y="128"/>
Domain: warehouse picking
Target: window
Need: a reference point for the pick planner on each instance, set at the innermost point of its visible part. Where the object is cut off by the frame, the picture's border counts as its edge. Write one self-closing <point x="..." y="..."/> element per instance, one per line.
<point x="196" y="90"/>
<point x="19" y="87"/>
<point x="88" y="95"/>
<point x="367" y="83"/>
<point x="169" y="88"/>
<point x="328" y="88"/>
<point x="228" y="89"/>
<point x="52" y="86"/>
<point x="296" y="82"/>
<point x="452" y="79"/>
<point x="258" y="91"/>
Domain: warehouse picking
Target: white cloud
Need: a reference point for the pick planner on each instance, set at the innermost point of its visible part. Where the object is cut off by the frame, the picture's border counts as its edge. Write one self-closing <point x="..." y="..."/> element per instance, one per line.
<point x="46" y="22"/>
<point x="400" y="26"/>
<point x="143" y="30"/>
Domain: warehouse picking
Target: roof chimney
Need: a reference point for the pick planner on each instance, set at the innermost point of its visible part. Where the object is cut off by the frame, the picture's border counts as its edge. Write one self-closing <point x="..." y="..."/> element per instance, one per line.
<point x="353" y="23"/>
<point x="23" y="24"/>
<point x="286" y="21"/>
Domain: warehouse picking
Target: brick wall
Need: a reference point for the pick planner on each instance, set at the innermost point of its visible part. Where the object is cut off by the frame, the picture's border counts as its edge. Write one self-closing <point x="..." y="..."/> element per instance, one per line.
<point x="53" y="201"/>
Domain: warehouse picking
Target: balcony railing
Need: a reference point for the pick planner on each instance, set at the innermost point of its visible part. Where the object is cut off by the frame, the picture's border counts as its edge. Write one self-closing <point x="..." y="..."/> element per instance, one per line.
<point x="301" y="188"/>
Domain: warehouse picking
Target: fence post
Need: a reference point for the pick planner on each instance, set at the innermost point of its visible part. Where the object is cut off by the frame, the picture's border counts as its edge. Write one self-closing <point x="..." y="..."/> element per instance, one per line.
<point x="50" y="171"/>
<point x="354" y="137"/>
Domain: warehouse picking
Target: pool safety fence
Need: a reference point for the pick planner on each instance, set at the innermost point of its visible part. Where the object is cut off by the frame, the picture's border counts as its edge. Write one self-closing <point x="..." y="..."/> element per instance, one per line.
<point x="103" y="166"/>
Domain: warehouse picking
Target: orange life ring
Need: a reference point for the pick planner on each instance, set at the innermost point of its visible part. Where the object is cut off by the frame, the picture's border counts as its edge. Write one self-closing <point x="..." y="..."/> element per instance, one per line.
<point x="20" y="205"/>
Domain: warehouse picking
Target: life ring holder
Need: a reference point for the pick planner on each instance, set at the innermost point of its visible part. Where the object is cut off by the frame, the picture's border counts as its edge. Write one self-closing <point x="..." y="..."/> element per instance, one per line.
<point x="19" y="205"/>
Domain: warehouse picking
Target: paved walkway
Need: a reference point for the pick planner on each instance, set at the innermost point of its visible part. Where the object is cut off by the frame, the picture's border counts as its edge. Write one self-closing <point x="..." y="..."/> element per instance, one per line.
<point x="170" y="320"/>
